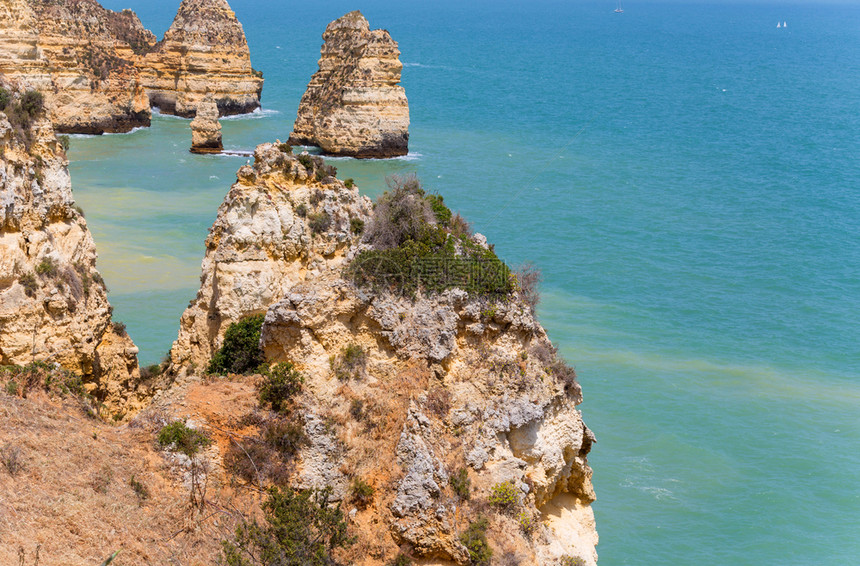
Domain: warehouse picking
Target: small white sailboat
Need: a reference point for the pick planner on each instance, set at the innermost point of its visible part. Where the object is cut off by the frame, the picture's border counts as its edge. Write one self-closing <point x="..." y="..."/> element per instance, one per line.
<point x="785" y="24"/>
<point x="778" y="25"/>
<point x="619" y="9"/>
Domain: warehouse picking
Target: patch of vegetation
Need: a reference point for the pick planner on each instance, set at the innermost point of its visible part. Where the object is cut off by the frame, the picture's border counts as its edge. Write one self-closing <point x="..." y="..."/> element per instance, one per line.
<point x="527" y="282"/>
<point x="47" y="267"/>
<point x="400" y="560"/>
<point x="41" y="375"/>
<point x="527" y="524"/>
<point x="317" y="196"/>
<point x="349" y="183"/>
<point x="504" y="496"/>
<point x="356" y="225"/>
<point x="474" y="538"/>
<point x="119" y="328"/>
<point x="356" y="409"/>
<point x="256" y="73"/>
<point x="568" y="560"/>
<point x="325" y="171"/>
<point x="319" y="222"/>
<point x="461" y="484"/>
<point x="302" y="210"/>
<point x="12" y="387"/>
<point x="12" y="460"/>
<point x="351" y="363"/>
<point x="418" y="243"/>
<point x="5" y="97"/>
<point x="284" y="435"/>
<point x="302" y="528"/>
<point x="179" y="437"/>
<point x="307" y="161"/>
<point x="65" y="144"/>
<point x="361" y="492"/>
<point x="32" y="102"/>
<point x="439" y="401"/>
<point x="281" y="382"/>
<point x="240" y="351"/>
<point x="28" y="281"/>
<point x="139" y="489"/>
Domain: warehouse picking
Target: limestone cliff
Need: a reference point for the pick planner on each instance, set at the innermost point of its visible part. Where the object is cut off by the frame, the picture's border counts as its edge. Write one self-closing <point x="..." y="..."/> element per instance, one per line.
<point x="206" y="129"/>
<point x="81" y="56"/>
<point x="101" y="70"/>
<point x="403" y="392"/>
<point x="286" y="218"/>
<point x="354" y="105"/>
<point x="204" y="52"/>
<point x="53" y="302"/>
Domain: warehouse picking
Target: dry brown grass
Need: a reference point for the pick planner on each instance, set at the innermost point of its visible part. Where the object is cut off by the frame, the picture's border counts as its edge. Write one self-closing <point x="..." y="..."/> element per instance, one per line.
<point x="73" y="498"/>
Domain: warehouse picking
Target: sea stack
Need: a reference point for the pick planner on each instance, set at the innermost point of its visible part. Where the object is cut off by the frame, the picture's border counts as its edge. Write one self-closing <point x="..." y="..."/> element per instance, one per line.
<point x="53" y="302"/>
<point x="204" y="51"/>
<point x="206" y="129"/>
<point x="354" y="105"/>
<point x="462" y="396"/>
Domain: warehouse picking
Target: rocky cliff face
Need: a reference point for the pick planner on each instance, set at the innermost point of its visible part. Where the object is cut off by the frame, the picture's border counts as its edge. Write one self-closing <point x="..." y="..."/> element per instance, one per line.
<point x="101" y="70"/>
<point x="203" y="53"/>
<point x="53" y="302"/>
<point x="354" y="105"/>
<point x="283" y="220"/>
<point x="206" y="129"/>
<point x="401" y="392"/>
<point x="82" y="57"/>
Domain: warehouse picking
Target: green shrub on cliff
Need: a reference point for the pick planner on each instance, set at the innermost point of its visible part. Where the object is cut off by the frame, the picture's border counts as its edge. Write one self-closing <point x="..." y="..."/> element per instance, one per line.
<point x="475" y="541"/>
<point x="417" y="242"/>
<point x="179" y="437"/>
<point x="32" y="102"/>
<point x="240" y="352"/>
<point x="5" y="97"/>
<point x="281" y="382"/>
<point x="302" y="528"/>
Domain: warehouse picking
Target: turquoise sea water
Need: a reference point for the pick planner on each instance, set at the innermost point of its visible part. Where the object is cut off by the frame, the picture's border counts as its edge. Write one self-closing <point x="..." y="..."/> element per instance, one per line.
<point x="687" y="178"/>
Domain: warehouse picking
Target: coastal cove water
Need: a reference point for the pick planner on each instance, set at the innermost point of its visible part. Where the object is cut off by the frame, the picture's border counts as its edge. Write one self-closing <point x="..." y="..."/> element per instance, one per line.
<point x="687" y="178"/>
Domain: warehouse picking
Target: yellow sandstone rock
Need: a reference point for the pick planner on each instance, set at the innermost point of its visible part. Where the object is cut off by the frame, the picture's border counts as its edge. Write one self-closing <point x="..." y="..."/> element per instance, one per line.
<point x="354" y="105"/>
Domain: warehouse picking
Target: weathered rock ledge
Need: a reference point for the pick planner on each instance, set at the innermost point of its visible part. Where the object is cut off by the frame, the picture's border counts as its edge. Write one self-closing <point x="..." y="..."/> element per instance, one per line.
<point x="353" y="105"/>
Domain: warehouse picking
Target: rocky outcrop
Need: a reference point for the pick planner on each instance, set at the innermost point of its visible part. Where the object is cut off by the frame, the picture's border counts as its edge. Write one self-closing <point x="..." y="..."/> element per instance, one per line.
<point x="101" y="70"/>
<point x="285" y="219"/>
<point x="206" y="129"/>
<point x="354" y="105"/>
<point x="82" y="57"/>
<point x="204" y="51"/>
<point x="437" y="385"/>
<point x="53" y="302"/>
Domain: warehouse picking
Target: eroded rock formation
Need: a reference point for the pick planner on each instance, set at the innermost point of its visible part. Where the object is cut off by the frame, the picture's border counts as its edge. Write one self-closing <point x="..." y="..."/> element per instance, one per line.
<point x="82" y="57"/>
<point x="437" y="383"/>
<point x="354" y="105"/>
<point x="101" y="70"/>
<point x="204" y="51"/>
<point x="206" y="129"/>
<point x="53" y="302"/>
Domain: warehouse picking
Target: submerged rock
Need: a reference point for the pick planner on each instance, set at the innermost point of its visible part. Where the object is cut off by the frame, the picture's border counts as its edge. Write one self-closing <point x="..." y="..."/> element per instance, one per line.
<point x="206" y="129"/>
<point x="354" y="105"/>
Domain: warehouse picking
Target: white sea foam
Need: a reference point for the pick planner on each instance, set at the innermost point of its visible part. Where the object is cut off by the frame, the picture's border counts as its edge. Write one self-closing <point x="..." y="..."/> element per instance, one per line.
<point x="131" y="131"/>
<point x="255" y="115"/>
<point x="421" y="65"/>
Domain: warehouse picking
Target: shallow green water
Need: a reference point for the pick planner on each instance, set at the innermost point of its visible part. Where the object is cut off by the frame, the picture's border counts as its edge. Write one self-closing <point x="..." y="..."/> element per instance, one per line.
<point x="686" y="176"/>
